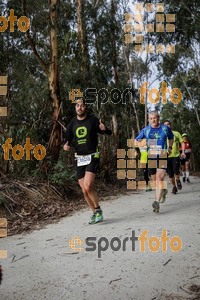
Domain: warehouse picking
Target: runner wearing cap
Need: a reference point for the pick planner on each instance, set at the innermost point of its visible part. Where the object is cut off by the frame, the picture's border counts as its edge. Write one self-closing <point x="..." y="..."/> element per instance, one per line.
<point x="82" y="134"/>
<point x="185" y="162"/>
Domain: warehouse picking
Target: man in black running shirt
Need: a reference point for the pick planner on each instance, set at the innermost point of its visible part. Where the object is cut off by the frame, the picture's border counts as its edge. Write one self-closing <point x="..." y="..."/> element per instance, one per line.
<point x="82" y="134"/>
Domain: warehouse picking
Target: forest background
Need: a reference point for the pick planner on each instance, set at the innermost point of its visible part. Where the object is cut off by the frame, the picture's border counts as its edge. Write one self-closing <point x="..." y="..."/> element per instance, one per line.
<point x="78" y="45"/>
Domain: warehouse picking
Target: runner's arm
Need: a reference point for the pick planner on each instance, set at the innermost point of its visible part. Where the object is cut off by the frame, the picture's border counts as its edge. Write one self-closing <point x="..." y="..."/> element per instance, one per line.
<point x="68" y="137"/>
<point x="102" y="128"/>
<point x="140" y="140"/>
<point x="170" y="136"/>
<point x="182" y="147"/>
<point x="171" y="143"/>
<point x="141" y="135"/>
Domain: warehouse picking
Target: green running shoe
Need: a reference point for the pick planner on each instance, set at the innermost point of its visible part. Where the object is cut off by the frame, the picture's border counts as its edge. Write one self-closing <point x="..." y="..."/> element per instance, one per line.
<point x="93" y="219"/>
<point x="99" y="217"/>
<point x="163" y="198"/>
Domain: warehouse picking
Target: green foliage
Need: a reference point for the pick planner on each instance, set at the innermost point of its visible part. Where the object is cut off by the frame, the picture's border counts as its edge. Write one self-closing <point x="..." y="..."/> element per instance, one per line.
<point x="61" y="175"/>
<point x="2" y="200"/>
<point x="30" y="111"/>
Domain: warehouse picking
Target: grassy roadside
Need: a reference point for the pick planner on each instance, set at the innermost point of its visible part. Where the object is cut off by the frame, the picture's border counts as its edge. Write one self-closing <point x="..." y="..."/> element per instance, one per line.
<point x="30" y="205"/>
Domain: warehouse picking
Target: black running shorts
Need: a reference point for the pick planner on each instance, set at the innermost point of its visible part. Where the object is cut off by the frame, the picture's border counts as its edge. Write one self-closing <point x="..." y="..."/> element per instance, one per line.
<point x="183" y="160"/>
<point x="92" y="167"/>
<point x="160" y="163"/>
<point x="173" y="166"/>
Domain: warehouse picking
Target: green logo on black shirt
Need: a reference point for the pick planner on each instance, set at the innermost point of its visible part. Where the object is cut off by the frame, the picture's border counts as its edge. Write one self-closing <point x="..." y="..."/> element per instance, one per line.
<point x="81" y="132"/>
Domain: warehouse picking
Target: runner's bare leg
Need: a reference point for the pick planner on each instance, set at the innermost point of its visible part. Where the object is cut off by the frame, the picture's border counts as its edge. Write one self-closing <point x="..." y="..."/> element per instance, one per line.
<point x="187" y="166"/>
<point x="172" y="180"/>
<point x="160" y="174"/>
<point x="85" y="194"/>
<point x="89" y="187"/>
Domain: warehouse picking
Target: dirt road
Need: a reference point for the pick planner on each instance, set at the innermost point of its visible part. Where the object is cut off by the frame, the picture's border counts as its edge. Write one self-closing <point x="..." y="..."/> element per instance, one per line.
<point x="40" y="265"/>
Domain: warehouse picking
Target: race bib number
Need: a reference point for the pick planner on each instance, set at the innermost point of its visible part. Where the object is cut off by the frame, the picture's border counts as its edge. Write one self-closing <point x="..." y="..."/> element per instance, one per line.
<point x="84" y="160"/>
<point x="154" y="150"/>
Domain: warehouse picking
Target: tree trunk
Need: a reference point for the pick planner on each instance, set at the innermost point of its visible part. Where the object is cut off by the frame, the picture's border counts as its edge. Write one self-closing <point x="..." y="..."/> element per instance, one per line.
<point x="53" y="147"/>
<point x="126" y="54"/>
<point x="55" y="139"/>
<point x="191" y="99"/>
<point x="113" y="42"/>
<point x="82" y="39"/>
<point x="115" y="134"/>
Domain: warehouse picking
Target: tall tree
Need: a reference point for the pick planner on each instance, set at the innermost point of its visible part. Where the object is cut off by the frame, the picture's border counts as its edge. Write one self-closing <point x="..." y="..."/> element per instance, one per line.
<point x="51" y="73"/>
<point x="82" y="39"/>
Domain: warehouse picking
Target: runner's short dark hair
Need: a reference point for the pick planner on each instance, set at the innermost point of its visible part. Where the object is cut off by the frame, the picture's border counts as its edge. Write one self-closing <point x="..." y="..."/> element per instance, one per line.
<point x="80" y="99"/>
<point x="168" y="121"/>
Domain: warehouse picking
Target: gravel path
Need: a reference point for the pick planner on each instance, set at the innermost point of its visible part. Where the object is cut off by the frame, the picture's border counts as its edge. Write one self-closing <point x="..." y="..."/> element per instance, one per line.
<point x="40" y="265"/>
